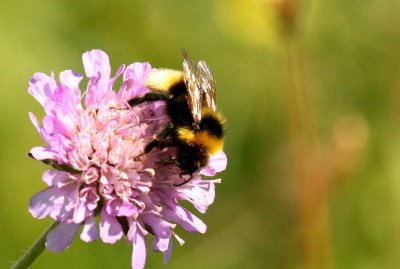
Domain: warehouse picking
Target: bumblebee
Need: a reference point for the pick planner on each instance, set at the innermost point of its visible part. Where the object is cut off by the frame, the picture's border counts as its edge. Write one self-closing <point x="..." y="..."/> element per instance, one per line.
<point x="195" y="127"/>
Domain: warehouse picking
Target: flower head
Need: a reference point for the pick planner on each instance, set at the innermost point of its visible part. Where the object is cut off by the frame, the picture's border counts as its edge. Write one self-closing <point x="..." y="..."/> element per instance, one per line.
<point x="93" y="141"/>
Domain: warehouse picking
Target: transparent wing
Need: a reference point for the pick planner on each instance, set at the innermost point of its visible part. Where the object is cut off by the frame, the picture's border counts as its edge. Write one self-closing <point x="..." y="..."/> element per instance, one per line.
<point x="206" y="83"/>
<point x="195" y="96"/>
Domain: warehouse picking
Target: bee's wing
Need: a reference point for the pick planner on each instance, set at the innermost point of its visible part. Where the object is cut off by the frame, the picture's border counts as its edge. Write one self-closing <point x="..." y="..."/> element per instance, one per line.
<point x="206" y="83"/>
<point x="195" y="95"/>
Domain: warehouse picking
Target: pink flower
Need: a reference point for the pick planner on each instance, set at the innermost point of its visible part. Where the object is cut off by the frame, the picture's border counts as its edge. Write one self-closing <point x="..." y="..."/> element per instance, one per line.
<point x="93" y="148"/>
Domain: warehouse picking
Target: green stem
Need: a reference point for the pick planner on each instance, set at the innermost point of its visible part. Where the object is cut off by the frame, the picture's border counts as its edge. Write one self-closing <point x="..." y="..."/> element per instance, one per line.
<point x="34" y="251"/>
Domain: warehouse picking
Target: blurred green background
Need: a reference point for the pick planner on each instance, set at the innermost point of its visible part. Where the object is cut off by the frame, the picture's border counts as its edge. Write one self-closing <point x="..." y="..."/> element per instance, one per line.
<point x="311" y="93"/>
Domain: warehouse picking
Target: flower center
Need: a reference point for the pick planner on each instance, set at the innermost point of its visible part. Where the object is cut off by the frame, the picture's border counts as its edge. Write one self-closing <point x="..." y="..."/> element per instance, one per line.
<point x="105" y="147"/>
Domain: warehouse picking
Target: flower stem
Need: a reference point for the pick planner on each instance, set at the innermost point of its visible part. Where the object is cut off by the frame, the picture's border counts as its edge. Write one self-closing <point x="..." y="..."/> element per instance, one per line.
<point x="34" y="251"/>
<point x="309" y="162"/>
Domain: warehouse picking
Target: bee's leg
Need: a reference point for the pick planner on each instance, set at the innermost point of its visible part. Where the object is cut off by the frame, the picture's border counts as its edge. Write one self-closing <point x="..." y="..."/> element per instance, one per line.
<point x="166" y="131"/>
<point x="154" y="144"/>
<point x="160" y="141"/>
<point x="137" y="158"/>
<point x="150" y="96"/>
<point x="185" y="181"/>
<point x="169" y="161"/>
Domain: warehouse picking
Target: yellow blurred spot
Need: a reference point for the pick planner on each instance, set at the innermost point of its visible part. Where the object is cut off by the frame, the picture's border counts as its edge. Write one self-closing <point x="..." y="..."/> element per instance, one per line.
<point x="253" y="22"/>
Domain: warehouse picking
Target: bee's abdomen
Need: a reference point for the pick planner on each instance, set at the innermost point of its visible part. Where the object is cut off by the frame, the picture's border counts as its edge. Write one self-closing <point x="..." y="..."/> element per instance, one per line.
<point x="213" y="124"/>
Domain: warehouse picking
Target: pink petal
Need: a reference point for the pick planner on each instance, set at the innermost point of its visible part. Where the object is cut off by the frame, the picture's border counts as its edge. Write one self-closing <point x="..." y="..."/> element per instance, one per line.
<point x="110" y="229"/>
<point x="120" y="208"/>
<point x="201" y="195"/>
<point x="67" y="99"/>
<point x="42" y="87"/>
<point x="127" y="209"/>
<point x="96" y="63"/>
<point x="97" y="68"/>
<point x="139" y="250"/>
<point x="66" y="109"/>
<point x="56" y="178"/>
<point x="118" y="74"/>
<point x="89" y="196"/>
<point x="35" y="121"/>
<point x="160" y="227"/>
<point x="90" y="175"/>
<point x="71" y="79"/>
<point x="192" y="223"/>
<point x="79" y="213"/>
<point x="132" y="230"/>
<point x="168" y="252"/>
<point x="217" y="163"/>
<point x="61" y="237"/>
<point x="60" y="144"/>
<point x="161" y="244"/>
<point x="44" y="202"/>
<point x="187" y="220"/>
<point x="62" y="212"/>
<point x="133" y="84"/>
<point x="42" y="153"/>
<point x="137" y="71"/>
<point x="89" y="232"/>
<point x="46" y="137"/>
<point x="56" y="125"/>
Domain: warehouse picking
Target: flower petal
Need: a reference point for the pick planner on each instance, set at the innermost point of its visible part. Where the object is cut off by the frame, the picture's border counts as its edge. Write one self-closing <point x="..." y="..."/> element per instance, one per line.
<point x="79" y="213"/>
<point x="110" y="229"/>
<point x="161" y="244"/>
<point x="160" y="227"/>
<point x="201" y="194"/>
<point x="71" y="79"/>
<point x="118" y="74"/>
<point x="133" y="84"/>
<point x="35" y="121"/>
<point x="168" y="251"/>
<point x="56" y="178"/>
<point x="127" y="209"/>
<point x="56" y="125"/>
<point x="216" y="164"/>
<point x="96" y="64"/>
<point x="62" y="212"/>
<point x="98" y="70"/>
<point x="118" y="207"/>
<point x="139" y="250"/>
<point x="42" y="87"/>
<point x="89" y="232"/>
<point x="132" y="230"/>
<point x="183" y="217"/>
<point x="42" y="153"/>
<point x="44" y="202"/>
<point x="61" y="236"/>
